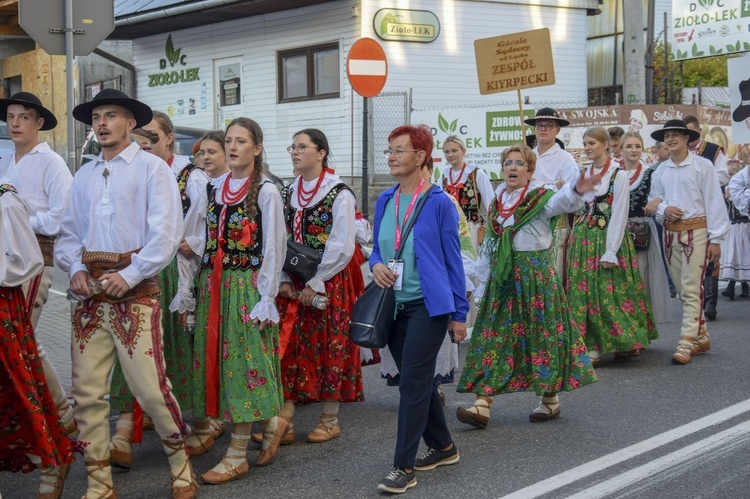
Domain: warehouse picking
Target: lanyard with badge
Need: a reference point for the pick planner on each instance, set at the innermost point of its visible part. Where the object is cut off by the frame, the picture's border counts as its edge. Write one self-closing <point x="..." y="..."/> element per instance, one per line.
<point x="397" y="265"/>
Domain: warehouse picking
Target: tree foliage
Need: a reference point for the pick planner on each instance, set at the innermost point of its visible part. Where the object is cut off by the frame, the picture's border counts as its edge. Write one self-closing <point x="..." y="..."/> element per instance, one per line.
<point x="706" y="71"/>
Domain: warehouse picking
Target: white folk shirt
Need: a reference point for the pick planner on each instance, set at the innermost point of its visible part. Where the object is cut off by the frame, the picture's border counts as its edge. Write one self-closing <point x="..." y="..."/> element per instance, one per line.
<point x="43" y="181"/>
<point x="484" y="186"/>
<point x="340" y="243"/>
<point x="273" y="250"/>
<point x="194" y="233"/>
<point x="620" y="207"/>
<point x="136" y="206"/>
<point x="739" y="190"/>
<point x="533" y="236"/>
<point x="693" y="187"/>
<point x="556" y="164"/>
<point x="21" y="258"/>
<point x="721" y="166"/>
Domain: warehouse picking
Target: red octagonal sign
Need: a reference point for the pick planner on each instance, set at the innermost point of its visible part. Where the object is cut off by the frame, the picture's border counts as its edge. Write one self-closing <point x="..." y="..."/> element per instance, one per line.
<point x="367" y="67"/>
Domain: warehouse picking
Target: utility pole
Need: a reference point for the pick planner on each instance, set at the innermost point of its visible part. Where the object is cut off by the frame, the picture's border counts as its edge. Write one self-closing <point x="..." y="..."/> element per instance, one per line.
<point x="650" y="51"/>
<point x="634" y="67"/>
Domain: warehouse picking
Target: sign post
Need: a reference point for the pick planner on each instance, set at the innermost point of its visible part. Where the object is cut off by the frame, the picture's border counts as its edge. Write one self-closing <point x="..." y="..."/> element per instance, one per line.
<point x="514" y="62"/>
<point x="367" y="70"/>
<point x="91" y="21"/>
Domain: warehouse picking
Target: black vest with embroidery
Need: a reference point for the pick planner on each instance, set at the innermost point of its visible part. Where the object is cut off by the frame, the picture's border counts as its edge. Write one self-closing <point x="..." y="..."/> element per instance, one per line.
<point x="735" y="217"/>
<point x="317" y="220"/>
<point x="600" y="210"/>
<point x="7" y="188"/>
<point x="710" y="151"/>
<point x="182" y="179"/>
<point x="236" y="255"/>
<point x="639" y="195"/>
<point x="468" y="196"/>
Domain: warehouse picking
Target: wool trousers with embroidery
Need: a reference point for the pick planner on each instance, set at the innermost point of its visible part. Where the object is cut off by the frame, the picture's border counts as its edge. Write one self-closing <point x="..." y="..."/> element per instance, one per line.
<point x="686" y="257"/>
<point x="131" y="331"/>
<point x="36" y="292"/>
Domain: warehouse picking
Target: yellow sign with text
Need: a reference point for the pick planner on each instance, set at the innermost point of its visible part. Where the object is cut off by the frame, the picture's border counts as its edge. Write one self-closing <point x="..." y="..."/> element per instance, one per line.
<point x="514" y="62"/>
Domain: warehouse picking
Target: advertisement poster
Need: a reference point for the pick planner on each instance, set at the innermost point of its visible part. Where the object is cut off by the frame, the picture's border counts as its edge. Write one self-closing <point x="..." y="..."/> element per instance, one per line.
<point x="705" y="28"/>
<point x="739" y="98"/>
<point x="486" y="131"/>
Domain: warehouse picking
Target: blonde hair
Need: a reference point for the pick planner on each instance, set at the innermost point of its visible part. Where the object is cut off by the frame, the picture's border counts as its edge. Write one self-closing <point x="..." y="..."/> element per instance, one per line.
<point x="526" y="153"/>
<point x="599" y="134"/>
<point x="630" y="135"/>
<point x="455" y="138"/>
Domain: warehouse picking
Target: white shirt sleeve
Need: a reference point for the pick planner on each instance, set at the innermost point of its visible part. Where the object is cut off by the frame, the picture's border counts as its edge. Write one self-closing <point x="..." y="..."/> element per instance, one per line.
<point x="619" y="218"/>
<point x="274" y="252"/>
<point x="484" y="186"/>
<point x="722" y="169"/>
<point x="739" y="190"/>
<point x="717" y="218"/>
<point x="482" y="269"/>
<point x="194" y="224"/>
<point x="364" y="231"/>
<point x="565" y="200"/>
<point x="340" y="243"/>
<point x="57" y="184"/>
<point x="69" y="246"/>
<point x="21" y="259"/>
<point x="657" y="192"/>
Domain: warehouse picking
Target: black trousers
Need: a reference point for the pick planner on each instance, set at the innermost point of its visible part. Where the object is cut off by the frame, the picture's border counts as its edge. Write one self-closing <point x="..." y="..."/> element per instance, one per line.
<point x="414" y="343"/>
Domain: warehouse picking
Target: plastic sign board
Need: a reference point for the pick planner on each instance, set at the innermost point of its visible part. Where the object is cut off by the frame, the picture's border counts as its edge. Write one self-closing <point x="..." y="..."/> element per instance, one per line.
<point x="705" y="28"/>
<point x="367" y="67"/>
<point x="406" y="25"/>
<point x="514" y="62"/>
<point x="739" y="98"/>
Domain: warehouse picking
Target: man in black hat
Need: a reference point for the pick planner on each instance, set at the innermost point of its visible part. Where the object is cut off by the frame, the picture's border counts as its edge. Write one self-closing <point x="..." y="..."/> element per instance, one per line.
<point x="686" y="196"/>
<point x="554" y="166"/>
<point x="122" y="227"/>
<point x="43" y="180"/>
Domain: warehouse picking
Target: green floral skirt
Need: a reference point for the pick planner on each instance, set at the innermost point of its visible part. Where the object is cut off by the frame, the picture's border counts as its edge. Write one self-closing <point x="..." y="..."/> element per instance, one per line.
<point x="249" y="367"/>
<point x="609" y="306"/>
<point x="528" y="341"/>
<point x="178" y="350"/>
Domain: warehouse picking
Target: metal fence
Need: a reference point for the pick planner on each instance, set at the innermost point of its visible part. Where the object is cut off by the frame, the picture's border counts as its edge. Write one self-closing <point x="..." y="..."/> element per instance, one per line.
<point x="389" y="110"/>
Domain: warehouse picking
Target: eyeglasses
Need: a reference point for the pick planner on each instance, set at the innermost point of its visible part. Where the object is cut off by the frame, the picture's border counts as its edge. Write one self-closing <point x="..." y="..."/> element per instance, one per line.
<point x="398" y="152"/>
<point x="300" y="148"/>
<point x="544" y="126"/>
<point x="517" y="163"/>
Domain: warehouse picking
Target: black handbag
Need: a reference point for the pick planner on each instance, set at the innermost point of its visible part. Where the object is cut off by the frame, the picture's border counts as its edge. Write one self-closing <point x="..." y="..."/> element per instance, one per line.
<point x="641" y="234"/>
<point x="301" y="261"/>
<point x="375" y="311"/>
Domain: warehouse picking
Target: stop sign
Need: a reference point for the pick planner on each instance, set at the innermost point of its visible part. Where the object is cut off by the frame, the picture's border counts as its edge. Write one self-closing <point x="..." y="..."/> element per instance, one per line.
<point x="367" y="67"/>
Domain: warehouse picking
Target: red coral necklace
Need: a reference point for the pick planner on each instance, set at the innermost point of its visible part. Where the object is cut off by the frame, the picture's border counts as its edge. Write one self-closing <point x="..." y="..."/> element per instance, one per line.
<point x="637" y="173"/>
<point x="304" y="197"/>
<point x="453" y="185"/>
<point x="506" y="213"/>
<point x="230" y="197"/>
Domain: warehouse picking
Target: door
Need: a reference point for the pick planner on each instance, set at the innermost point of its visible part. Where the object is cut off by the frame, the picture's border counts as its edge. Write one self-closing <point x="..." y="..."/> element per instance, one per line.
<point x="228" y="90"/>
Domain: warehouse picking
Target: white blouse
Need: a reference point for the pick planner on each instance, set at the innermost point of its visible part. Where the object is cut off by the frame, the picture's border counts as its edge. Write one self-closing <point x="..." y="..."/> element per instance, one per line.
<point x="340" y="244"/>
<point x="739" y="190"/>
<point x="554" y="165"/>
<point x="21" y="259"/>
<point x="533" y="236"/>
<point x="620" y="208"/>
<point x="484" y="186"/>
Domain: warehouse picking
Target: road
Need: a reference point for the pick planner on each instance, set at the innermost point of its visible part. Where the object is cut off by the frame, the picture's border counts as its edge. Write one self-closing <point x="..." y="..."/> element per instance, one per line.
<point x="647" y="429"/>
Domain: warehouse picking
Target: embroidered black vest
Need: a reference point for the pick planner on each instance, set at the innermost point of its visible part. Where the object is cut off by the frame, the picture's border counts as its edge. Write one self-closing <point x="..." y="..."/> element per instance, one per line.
<point x="600" y="210"/>
<point x="236" y="255"/>
<point x="639" y="195"/>
<point x="710" y="151"/>
<point x="182" y="179"/>
<point x="735" y="217"/>
<point x="7" y="188"/>
<point x="468" y="197"/>
<point x="317" y="220"/>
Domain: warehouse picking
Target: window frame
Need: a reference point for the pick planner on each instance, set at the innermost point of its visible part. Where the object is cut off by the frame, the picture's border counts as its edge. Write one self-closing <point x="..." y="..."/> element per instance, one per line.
<point x="309" y="52"/>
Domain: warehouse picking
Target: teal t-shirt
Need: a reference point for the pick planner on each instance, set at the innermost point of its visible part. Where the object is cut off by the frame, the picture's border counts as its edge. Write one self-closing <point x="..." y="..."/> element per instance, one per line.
<point x="411" y="289"/>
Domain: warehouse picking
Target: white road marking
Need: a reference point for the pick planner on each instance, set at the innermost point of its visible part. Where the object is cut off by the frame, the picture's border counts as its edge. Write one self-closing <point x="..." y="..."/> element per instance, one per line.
<point x="367" y="67"/>
<point x="573" y="475"/>
<point x="722" y="442"/>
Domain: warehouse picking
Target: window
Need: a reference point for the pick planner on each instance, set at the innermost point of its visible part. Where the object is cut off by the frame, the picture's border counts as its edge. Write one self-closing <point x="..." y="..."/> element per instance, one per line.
<point x="309" y="73"/>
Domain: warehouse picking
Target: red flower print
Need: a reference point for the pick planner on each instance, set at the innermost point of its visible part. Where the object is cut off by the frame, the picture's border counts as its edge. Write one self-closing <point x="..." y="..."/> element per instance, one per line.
<point x="315" y="229"/>
<point x="252" y="373"/>
<point x="628" y="307"/>
<point x="235" y="234"/>
<point x="261" y="381"/>
<point x="225" y="350"/>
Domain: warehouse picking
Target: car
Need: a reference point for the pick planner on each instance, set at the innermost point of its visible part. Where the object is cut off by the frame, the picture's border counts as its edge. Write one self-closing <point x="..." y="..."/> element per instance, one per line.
<point x="6" y="145"/>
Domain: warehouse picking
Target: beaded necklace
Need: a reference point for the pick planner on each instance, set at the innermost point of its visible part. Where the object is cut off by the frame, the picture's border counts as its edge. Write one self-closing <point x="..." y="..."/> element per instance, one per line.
<point x="453" y="185"/>
<point x="637" y="173"/>
<point x="304" y="198"/>
<point x="507" y="212"/>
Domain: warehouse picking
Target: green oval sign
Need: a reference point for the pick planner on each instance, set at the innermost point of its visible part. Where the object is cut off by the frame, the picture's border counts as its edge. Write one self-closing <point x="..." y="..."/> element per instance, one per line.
<point x="406" y="25"/>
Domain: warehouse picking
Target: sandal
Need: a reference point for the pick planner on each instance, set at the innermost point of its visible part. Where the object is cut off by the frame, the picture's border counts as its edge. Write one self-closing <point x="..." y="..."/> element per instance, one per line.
<point x="202" y="447"/>
<point x="58" y="475"/>
<point x="266" y="456"/>
<point x="471" y="415"/>
<point x="217" y="427"/>
<point x="545" y="412"/>
<point x="287" y="439"/>
<point x="100" y="465"/>
<point x="323" y="432"/>
<point x="191" y="489"/>
<point x="233" y="473"/>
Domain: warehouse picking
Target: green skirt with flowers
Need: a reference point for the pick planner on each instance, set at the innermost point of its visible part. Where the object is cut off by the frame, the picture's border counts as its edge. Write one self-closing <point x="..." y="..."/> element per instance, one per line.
<point x="609" y="306"/>
<point x="249" y="366"/>
<point x="527" y="341"/>
<point x="178" y="350"/>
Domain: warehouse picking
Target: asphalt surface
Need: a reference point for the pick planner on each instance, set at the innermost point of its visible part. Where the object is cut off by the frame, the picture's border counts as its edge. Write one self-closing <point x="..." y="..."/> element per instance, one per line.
<point x="647" y="429"/>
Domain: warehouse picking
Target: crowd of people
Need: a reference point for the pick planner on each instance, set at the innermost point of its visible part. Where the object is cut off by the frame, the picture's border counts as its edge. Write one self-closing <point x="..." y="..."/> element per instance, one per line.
<point x="188" y="291"/>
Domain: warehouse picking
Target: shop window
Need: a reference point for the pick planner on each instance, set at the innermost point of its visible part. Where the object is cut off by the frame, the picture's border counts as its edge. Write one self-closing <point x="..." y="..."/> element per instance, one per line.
<point x="309" y="73"/>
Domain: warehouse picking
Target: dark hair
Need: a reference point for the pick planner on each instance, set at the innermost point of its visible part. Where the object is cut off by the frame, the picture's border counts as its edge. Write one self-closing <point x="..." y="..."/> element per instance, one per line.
<point x="166" y="126"/>
<point x="256" y="134"/>
<point x="420" y="136"/>
<point x="320" y="140"/>
<point x="213" y="135"/>
<point x="690" y="119"/>
<point x="616" y="133"/>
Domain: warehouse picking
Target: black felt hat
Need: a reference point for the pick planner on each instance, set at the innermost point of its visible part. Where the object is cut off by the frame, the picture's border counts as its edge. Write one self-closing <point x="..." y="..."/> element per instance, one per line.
<point x="547" y="113"/>
<point x="743" y="110"/>
<point x="28" y="99"/>
<point x="676" y="125"/>
<point x="111" y="97"/>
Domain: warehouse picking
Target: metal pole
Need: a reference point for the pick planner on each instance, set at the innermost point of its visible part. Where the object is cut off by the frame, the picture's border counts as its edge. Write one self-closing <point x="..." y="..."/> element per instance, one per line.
<point x="650" y="52"/>
<point x="69" y="82"/>
<point x="365" y="174"/>
<point x="616" y="48"/>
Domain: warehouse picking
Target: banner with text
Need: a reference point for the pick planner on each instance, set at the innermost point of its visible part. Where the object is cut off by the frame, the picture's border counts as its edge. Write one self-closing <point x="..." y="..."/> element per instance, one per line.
<point x="705" y="28"/>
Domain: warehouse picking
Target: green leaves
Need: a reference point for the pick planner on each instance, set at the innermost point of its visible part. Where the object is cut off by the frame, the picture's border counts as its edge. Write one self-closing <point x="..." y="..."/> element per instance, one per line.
<point x="706" y="4"/>
<point x="696" y="52"/>
<point x="445" y="126"/>
<point x="172" y="55"/>
<point x="436" y="174"/>
<point x="387" y="19"/>
<point x="713" y="50"/>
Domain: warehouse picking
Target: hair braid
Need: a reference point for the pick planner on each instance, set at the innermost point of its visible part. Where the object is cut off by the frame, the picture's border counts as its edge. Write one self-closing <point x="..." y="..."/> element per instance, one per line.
<point x="251" y="198"/>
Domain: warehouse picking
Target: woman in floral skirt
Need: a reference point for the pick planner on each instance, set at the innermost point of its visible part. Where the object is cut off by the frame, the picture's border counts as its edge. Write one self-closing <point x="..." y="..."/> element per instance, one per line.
<point x="31" y="435"/>
<point x="236" y="365"/>
<point x="320" y="363"/>
<point x="524" y="338"/>
<point x="605" y="289"/>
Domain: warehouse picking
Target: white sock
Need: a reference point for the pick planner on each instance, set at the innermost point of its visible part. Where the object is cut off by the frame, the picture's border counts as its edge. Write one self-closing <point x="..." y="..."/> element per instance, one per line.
<point x="236" y="453"/>
<point x="288" y="411"/>
<point x="123" y="437"/>
<point x="330" y="409"/>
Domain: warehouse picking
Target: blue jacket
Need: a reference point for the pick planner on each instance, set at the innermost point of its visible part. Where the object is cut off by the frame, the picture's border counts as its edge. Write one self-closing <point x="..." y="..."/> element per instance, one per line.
<point x="438" y="252"/>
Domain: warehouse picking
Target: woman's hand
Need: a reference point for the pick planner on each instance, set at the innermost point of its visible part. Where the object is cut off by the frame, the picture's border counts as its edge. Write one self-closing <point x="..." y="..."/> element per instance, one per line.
<point x="383" y="276"/>
<point x="459" y="330"/>
<point x="260" y="325"/>
<point x="307" y="295"/>
<point x="185" y="249"/>
<point x="585" y="184"/>
<point x="651" y="207"/>
<point x="286" y="290"/>
<point x="607" y="265"/>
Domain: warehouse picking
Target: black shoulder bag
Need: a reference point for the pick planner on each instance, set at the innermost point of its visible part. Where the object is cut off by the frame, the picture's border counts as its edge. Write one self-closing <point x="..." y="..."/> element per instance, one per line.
<point x="374" y="312"/>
